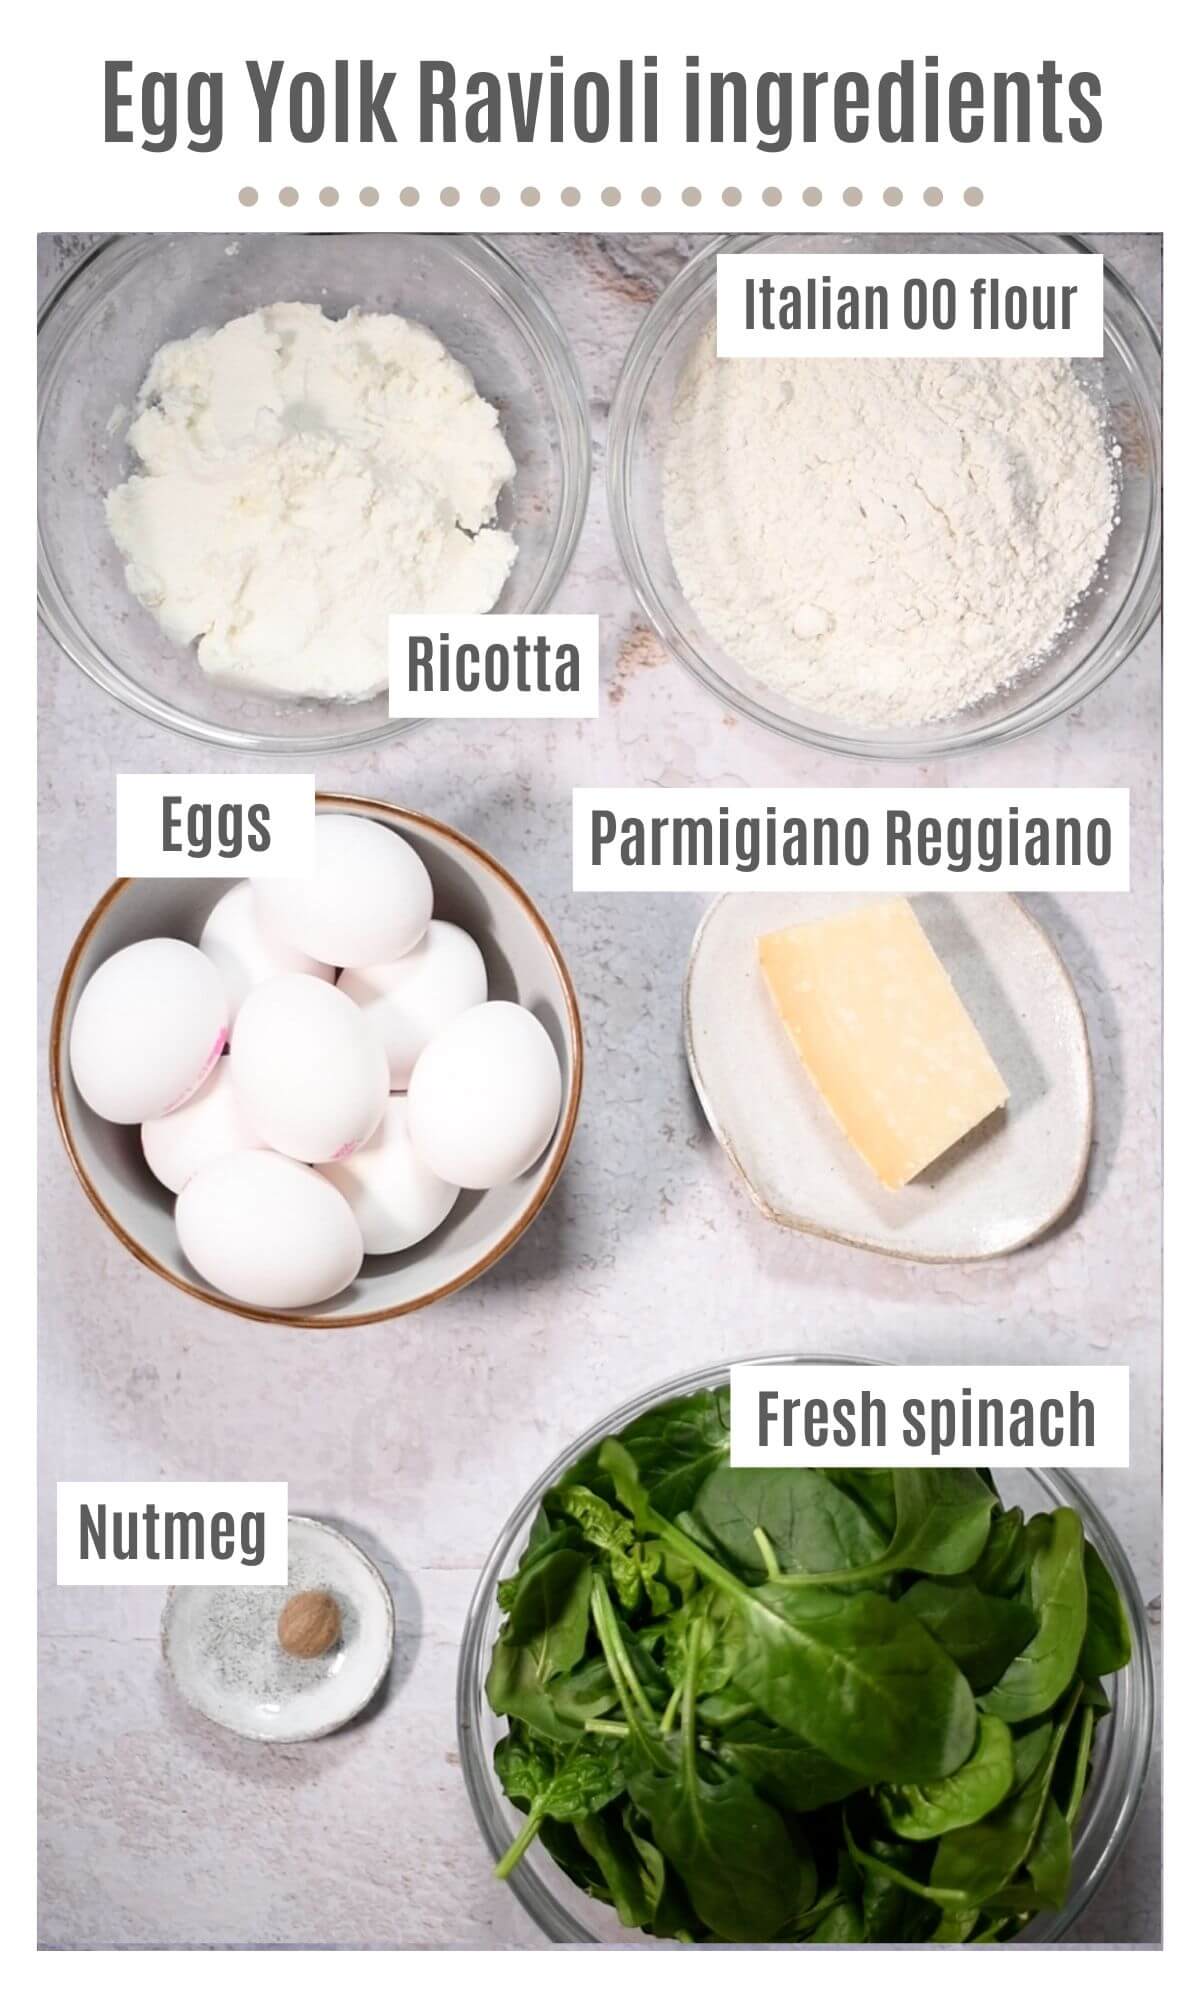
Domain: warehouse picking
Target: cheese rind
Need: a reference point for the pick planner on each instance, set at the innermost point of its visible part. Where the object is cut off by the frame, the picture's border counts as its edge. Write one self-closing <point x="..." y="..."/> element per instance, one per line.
<point x="875" y="1019"/>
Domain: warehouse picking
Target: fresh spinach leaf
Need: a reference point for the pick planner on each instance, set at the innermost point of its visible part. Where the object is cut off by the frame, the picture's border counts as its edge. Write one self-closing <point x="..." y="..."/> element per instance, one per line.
<point x="549" y="1543"/>
<point x="732" y="1850"/>
<point x="955" y="1926"/>
<point x="859" y="1679"/>
<point x="1075" y="1763"/>
<point x="943" y="1518"/>
<point x="641" y="1645"/>
<point x="727" y="1707"/>
<point x="634" y="1568"/>
<point x="871" y="1861"/>
<point x="1049" y="1862"/>
<point x="1001" y="1567"/>
<point x="793" y="1773"/>
<point x="549" y="1611"/>
<point x="715" y="1619"/>
<point x="632" y="1873"/>
<point x="926" y="1812"/>
<point x="841" y="1924"/>
<point x="618" y="1463"/>
<point x="977" y="1862"/>
<point x="874" y="1489"/>
<point x="891" y="1914"/>
<point x="942" y="1522"/>
<point x="673" y="1916"/>
<point x="744" y="1873"/>
<point x="524" y="1768"/>
<point x="1046" y="1878"/>
<point x="583" y="1694"/>
<point x="599" y="1523"/>
<point x="1046" y="1664"/>
<point x="1106" y="1643"/>
<point x="809" y="1524"/>
<point x="982" y="1634"/>
<point x="546" y="1634"/>
<point x="515" y="1688"/>
<point x="588" y="1778"/>
<point x="563" y="1845"/>
<point x="996" y="1930"/>
<point x="673" y="1449"/>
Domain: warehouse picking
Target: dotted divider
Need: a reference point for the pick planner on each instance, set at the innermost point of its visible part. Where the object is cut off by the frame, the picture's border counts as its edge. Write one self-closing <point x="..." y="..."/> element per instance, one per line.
<point x="611" y="197"/>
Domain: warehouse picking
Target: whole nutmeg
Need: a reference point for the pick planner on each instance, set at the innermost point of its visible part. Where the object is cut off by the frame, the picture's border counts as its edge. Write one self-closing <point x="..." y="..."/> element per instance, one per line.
<point x="309" y="1624"/>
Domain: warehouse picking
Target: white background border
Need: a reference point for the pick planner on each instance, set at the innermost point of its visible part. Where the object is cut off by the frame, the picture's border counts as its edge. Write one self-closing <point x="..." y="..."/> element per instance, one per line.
<point x="1137" y="177"/>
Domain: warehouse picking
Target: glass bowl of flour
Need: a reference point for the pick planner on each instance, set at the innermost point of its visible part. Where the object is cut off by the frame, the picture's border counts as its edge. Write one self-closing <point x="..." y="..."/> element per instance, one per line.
<point x="252" y="447"/>
<point x="889" y="558"/>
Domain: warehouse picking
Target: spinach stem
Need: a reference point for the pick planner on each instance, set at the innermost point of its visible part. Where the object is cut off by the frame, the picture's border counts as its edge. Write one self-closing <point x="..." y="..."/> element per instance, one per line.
<point x="1083" y="1761"/>
<point x="670" y="1711"/>
<point x="700" y="1560"/>
<point x="687" y="1714"/>
<point x="598" y="1725"/>
<point x="766" y="1551"/>
<point x="945" y="1899"/>
<point x="622" y="1673"/>
<point x="527" y="1835"/>
<point x="818" y="1579"/>
<point x="619" y="1648"/>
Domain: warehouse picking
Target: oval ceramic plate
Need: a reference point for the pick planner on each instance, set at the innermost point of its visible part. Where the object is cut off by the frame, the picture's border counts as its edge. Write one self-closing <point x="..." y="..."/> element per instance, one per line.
<point x="1000" y="1187"/>
<point x="220" y="1644"/>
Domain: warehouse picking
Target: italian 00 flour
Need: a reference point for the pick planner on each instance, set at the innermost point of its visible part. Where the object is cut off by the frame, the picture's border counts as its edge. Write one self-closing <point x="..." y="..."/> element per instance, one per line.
<point x="886" y="541"/>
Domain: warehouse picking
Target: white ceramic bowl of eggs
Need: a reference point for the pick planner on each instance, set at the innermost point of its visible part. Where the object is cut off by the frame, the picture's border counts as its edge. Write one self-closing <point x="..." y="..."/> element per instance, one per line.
<point x="325" y="1101"/>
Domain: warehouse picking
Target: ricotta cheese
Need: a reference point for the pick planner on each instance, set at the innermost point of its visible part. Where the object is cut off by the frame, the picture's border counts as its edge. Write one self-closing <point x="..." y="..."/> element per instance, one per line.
<point x="299" y="478"/>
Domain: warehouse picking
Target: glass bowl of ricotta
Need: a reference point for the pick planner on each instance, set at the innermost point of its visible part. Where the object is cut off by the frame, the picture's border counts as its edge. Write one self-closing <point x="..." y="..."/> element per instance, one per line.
<point x="566" y="1915"/>
<point x="893" y="569"/>
<point x="99" y="334"/>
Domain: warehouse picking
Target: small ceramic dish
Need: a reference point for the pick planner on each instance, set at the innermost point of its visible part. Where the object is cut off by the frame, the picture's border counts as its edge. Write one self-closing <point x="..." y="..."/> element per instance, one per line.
<point x="523" y="964"/>
<point x="222" y="1649"/>
<point x="1003" y="1185"/>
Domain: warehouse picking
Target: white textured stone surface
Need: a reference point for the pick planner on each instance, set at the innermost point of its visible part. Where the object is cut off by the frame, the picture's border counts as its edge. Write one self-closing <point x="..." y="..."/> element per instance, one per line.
<point x="419" y="1437"/>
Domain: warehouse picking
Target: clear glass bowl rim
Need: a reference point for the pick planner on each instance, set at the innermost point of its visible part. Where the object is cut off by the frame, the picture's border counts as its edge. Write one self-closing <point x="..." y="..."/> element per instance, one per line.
<point x="514" y="291"/>
<point x="557" y="1923"/>
<point x="1136" y="615"/>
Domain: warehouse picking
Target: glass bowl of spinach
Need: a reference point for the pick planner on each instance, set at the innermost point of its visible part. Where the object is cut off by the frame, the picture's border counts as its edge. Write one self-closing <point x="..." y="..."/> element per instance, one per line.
<point x="706" y="1705"/>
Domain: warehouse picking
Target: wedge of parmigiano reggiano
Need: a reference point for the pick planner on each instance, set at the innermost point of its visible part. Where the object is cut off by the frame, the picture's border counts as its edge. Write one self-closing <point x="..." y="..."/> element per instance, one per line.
<point x="882" y="1033"/>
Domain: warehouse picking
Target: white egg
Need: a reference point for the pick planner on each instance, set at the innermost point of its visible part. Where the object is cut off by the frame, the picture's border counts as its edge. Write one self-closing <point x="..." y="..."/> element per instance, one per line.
<point x="148" y="1028"/>
<point x="310" y="1073"/>
<point x="268" y="1232"/>
<point x="485" y="1096"/>
<point x="368" y="899"/>
<point x="243" y="953"/>
<point x="211" y="1124"/>
<point x="413" y="998"/>
<point x="394" y="1198"/>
